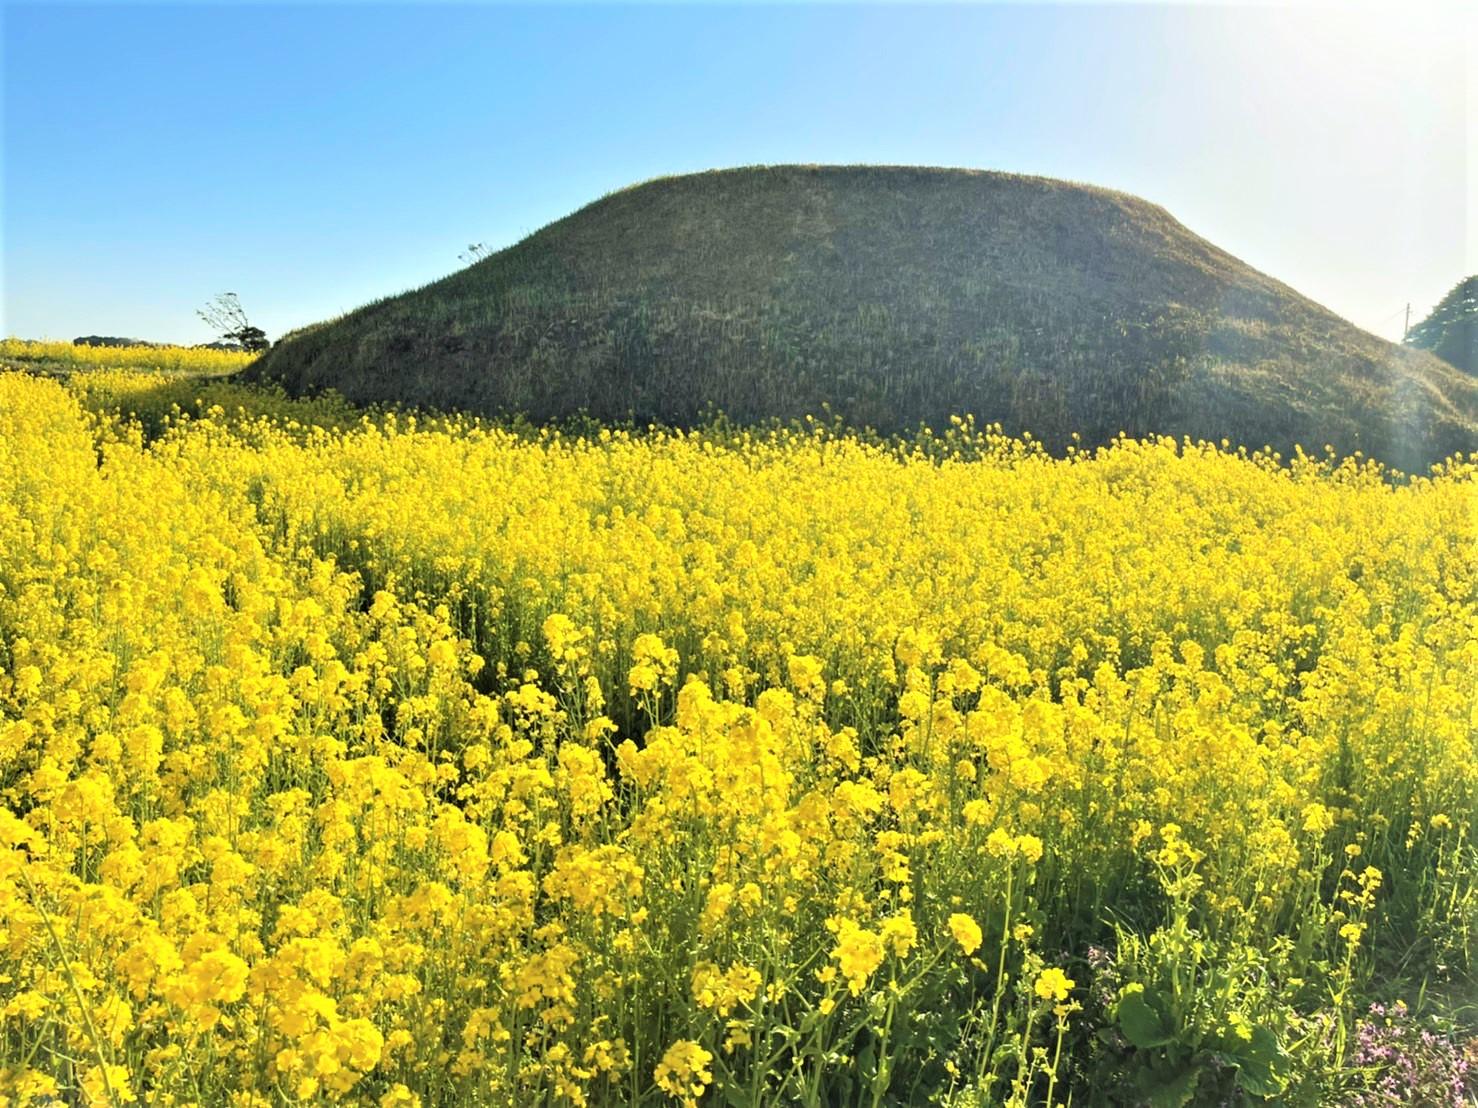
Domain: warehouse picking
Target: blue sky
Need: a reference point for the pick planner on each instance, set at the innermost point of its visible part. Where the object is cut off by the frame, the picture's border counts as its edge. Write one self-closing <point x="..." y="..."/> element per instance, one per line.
<point x="311" y="158"/>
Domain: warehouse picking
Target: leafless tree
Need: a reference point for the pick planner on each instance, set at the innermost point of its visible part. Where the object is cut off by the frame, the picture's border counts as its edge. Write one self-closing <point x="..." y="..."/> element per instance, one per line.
<point x="226" y="315"/>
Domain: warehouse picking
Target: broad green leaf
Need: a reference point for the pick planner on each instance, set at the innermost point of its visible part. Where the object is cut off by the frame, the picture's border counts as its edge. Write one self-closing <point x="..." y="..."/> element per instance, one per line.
<point x="1262" y="1064"/>
<point x="1145" y="1019"/>
<point x="1175" y="1092"/>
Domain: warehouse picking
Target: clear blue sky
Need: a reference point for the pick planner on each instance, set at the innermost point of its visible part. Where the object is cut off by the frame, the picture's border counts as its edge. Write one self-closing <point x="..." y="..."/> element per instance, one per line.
<point x="311" y="158"/>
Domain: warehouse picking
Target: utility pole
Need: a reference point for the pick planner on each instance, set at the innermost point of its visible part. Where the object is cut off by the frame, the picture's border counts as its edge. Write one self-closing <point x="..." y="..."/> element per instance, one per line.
<point x="1406" y="328"/>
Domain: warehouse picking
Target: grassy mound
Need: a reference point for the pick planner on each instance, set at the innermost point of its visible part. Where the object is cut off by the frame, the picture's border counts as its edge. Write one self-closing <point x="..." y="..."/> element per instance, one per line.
<point x="890" y="296"/>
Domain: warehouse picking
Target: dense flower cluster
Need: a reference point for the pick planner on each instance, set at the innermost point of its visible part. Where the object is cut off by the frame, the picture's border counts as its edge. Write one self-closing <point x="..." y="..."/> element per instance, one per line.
<point x="426" y="762"/>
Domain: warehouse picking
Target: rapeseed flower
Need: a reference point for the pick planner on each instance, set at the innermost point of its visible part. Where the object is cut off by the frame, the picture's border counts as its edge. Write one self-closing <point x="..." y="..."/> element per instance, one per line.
<point x="966" y="932"/>
<point x="360" y="756"/>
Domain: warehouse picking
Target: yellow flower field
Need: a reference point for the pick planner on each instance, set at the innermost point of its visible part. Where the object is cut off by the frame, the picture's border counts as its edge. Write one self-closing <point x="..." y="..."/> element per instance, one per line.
<point x="412" y="760"/>
<point x="155" y="359"/>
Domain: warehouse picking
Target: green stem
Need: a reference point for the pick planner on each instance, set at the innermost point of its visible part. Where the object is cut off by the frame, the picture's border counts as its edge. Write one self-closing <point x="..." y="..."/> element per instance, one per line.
<point x="995" y="1003"/>
<point x="1056" y="1058"/>
<point x="97" y="1044"/>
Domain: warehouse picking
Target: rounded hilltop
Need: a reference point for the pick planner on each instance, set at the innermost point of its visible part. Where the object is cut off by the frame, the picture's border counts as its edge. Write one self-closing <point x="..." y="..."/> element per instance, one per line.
<point x="889" y="296"/>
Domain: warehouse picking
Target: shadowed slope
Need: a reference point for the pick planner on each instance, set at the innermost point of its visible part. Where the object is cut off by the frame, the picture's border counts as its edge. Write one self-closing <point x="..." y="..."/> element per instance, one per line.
<point x="893" y="296"/>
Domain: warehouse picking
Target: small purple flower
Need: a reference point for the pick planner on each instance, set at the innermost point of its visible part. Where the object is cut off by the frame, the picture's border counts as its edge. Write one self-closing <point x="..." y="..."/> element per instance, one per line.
<point x="1403" y="1063"/>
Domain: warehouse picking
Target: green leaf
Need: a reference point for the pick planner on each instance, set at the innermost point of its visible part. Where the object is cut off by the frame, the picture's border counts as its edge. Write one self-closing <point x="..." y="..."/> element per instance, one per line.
<point x="1175" y="1092"/>
<point x="1263" y="1065"/>
<point x="867" y="1063"/>
<point x="1145" y="1019"/>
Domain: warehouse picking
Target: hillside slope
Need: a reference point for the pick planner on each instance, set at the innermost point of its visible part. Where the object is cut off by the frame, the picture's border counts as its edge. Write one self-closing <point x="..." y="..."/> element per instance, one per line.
<point x="892" y="295"/>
